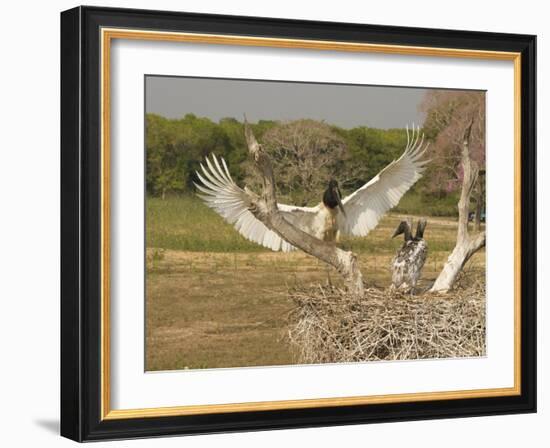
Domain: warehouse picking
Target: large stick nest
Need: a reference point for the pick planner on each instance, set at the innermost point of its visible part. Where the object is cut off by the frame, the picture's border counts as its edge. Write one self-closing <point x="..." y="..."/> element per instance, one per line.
<point x="330" y="326"/>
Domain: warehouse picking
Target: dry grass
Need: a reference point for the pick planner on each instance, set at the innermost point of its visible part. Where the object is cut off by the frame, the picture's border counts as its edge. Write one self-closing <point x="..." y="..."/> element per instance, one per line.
<point x="211" y="302"/>
<point x="329" y="326"/>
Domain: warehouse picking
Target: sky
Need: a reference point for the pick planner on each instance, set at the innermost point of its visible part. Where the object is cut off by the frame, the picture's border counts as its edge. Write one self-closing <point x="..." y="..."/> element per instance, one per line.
<point x="343" y="105"/>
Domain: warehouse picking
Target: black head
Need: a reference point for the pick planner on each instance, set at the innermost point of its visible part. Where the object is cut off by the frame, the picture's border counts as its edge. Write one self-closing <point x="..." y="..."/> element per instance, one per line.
<point x="404" y="227"/>
<point x="420" y="228"/>
<point x="332" y="197"/>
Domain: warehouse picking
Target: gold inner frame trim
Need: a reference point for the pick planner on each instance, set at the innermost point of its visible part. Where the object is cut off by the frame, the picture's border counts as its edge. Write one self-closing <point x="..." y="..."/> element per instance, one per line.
<point x="107" y="35"/>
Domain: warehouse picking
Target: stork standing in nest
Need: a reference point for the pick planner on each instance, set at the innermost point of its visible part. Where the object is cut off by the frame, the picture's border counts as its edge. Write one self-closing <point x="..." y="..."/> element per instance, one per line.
<point x="355" y="215"/>
<point x="409" y="261"/>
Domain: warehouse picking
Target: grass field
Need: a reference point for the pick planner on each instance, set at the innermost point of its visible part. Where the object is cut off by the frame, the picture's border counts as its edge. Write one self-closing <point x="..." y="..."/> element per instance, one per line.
<point x="216" y="300"/>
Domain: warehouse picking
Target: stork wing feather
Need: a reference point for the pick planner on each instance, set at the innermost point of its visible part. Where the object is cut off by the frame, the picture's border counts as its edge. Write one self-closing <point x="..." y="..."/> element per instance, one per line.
<point x="366" y="206"/>
<point x="222" y="194"/>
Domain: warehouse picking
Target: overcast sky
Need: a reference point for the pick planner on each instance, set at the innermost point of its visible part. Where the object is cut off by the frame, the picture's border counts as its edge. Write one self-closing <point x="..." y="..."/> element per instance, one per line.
<point x="343" y="105"/>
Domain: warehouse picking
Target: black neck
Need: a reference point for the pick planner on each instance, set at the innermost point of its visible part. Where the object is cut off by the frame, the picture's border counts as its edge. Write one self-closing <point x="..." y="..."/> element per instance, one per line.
<point x="420" y="229"/>
<point x="330" y="198"/>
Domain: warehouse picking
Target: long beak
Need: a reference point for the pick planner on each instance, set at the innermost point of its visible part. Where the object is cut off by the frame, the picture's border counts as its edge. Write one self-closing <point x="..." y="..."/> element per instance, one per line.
<point x="340" y="205"/>
<point x="397" y="232"/>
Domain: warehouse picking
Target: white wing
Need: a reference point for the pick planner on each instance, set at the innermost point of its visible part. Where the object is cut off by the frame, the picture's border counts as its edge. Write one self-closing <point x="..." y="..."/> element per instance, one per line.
<point x="368" y="204"/>
<point x="232" y="203"/>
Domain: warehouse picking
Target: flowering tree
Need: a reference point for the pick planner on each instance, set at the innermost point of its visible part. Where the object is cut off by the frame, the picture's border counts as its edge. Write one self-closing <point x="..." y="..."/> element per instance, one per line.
<point x="448" y="114"/>
<point x="455" y="120"/>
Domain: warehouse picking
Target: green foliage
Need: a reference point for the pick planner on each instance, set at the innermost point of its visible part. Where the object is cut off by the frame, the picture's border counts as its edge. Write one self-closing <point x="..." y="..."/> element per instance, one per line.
<point x="369" y="151"/>
<point x="175" y="149"/>
<point x="416" y="202"/>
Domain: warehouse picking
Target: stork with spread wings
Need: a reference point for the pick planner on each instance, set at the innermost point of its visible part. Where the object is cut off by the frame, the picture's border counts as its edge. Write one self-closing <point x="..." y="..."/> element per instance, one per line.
<point x="356" y="214"/>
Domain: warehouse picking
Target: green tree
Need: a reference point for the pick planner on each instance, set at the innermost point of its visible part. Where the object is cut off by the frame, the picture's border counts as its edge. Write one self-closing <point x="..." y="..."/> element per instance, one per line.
<point x="370" y="150"/>
<point x="305" y="155"/>
<point x="175" y="149"/>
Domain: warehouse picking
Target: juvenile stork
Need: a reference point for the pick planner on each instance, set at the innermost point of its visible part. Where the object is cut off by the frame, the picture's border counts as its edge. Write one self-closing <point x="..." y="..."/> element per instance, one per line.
<point x="409" y="261"/>
<point x="356" y="214"/>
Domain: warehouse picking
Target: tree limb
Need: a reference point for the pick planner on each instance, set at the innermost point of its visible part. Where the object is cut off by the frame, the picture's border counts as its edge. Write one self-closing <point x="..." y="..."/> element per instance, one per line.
<point x="466" y="244"/>
<point x="265" y="209"/>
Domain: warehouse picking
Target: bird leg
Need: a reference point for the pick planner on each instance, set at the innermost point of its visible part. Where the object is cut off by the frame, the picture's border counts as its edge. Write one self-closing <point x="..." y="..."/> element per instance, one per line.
<point x="329" y="280"/>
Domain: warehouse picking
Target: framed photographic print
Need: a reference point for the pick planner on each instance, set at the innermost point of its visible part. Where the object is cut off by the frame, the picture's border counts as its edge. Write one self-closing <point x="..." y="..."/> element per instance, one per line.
<point x="273" y="223"/>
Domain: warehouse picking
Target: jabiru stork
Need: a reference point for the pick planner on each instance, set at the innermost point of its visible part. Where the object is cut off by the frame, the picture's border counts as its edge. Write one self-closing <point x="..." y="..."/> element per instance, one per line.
<point x="356" y="214"/>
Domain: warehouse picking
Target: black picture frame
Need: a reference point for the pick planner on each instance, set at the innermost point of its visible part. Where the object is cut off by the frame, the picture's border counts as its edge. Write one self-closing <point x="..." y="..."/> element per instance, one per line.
<point x="81" y="227"/>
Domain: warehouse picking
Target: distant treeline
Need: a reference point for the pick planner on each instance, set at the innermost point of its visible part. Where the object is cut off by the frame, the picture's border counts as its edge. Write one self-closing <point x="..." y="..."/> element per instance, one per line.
<point x="306" y="153"/>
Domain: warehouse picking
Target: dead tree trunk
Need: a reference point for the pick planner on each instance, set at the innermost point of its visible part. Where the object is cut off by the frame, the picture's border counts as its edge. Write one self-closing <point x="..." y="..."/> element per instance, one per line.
<point x="480" y="196"/>
<point x="477" y="216"/>
<point x="466" y="244"/>
<point x="265" y="208"/>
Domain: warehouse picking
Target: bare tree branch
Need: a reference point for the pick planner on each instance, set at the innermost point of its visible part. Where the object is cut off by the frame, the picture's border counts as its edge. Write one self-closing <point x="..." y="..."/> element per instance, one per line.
<point x="265" y="209"/>
<point x="305" y="154"/>
<point x="466" y="244"/>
